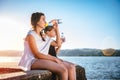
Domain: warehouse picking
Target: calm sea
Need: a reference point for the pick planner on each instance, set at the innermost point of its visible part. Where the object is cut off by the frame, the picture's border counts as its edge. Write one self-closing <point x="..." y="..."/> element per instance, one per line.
<point x="97" y="68"/>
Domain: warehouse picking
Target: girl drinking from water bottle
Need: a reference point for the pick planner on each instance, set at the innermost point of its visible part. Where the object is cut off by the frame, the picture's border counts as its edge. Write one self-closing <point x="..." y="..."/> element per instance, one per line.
<point x="36" y="48"/>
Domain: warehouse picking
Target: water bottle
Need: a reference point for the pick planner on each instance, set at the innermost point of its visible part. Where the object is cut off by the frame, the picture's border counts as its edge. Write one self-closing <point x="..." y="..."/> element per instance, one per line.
<point x="51" y="24"/>
<point x="62" y="37"/>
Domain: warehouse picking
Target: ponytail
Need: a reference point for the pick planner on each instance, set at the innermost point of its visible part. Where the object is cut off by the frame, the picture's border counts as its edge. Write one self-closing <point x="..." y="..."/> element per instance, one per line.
<point x="41" y="34"/>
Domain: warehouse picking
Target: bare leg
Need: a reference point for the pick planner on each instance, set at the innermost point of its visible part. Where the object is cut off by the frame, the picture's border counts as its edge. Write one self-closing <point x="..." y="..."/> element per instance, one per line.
<point x="52" y="66"/>
<point x="71" y="70"/>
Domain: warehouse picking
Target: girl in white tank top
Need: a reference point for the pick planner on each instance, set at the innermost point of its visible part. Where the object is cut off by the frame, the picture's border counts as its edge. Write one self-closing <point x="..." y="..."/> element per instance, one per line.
<point x="36" y="48"/>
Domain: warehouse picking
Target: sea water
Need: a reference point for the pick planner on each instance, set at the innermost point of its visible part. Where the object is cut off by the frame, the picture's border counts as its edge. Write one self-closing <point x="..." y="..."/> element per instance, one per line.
<point x="96" y="68"/>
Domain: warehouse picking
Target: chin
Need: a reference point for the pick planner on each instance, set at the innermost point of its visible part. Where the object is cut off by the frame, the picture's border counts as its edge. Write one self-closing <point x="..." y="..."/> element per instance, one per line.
<point x="43" y="27"/>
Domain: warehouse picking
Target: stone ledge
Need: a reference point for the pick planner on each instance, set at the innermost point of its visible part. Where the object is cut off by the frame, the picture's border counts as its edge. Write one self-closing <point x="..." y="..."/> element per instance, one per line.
<point x="40" y="75"/>
<point x="28" y="75"/>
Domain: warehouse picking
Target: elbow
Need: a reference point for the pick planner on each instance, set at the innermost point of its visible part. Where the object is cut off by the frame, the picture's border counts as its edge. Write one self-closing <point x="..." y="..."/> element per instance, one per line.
<point x="40" y="55"/>
<point x="36" y="54"/>
<point x="59" y="45"/>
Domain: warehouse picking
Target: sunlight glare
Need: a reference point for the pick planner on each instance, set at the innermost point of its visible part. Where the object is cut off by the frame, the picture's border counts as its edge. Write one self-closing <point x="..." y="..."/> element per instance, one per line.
<point x="108" y="42"/>
<point x="11" y="34"/>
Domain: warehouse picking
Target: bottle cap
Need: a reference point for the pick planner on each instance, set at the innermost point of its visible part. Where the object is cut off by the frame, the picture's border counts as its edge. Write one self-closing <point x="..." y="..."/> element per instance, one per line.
<point x="48" y="24"/>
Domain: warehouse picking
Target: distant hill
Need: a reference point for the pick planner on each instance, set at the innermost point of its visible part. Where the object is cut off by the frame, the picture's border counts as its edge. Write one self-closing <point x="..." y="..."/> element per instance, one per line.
<point x="70" y="52"/>
<point x="10" y="53"/>
<point x="89" y="52"/>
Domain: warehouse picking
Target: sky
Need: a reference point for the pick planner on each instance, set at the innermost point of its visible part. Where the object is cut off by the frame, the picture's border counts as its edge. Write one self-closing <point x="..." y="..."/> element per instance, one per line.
<point x="85" y="23"/>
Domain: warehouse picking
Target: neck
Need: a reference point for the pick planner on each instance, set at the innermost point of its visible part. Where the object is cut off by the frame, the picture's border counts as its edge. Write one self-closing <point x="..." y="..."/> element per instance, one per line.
<point x="48" y="35"/>
<point x="38" y="29"/>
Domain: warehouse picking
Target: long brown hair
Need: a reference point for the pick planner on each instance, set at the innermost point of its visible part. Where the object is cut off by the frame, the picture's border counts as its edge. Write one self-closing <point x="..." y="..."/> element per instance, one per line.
<point x="35" y="17"/>
<point x="48" y="28"/>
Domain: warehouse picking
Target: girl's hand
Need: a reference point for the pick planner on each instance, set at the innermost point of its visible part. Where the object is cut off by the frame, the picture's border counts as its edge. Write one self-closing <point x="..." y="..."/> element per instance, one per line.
<point x="58" y="61"/>
<point x="61" y="60"/>
<point x="55" y="23"/>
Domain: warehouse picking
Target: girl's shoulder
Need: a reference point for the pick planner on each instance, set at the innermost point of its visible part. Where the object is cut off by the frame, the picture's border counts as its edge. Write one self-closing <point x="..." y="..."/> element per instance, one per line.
<point x="34" y="34"/>
<point x="31" y="32"/>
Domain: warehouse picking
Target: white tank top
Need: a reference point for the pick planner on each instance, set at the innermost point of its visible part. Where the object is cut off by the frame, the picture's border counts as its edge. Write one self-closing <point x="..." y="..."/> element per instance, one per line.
<point x="28" y="57"/>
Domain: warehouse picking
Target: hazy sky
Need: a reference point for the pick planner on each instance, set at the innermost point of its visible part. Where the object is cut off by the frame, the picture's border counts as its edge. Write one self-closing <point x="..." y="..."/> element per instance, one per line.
<point x="86" y="23"/>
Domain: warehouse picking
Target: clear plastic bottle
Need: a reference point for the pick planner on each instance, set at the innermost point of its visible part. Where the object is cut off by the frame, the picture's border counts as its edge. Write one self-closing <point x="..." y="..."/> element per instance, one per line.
<point x="51" y="24"/>
<point x="63" y="37"/>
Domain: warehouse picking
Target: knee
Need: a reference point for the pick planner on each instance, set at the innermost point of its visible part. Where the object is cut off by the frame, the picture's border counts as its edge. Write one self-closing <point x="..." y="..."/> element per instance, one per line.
<point x="63" y="73"/>
<point x="71" y="67"/>
<point x="63" y="70"/>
